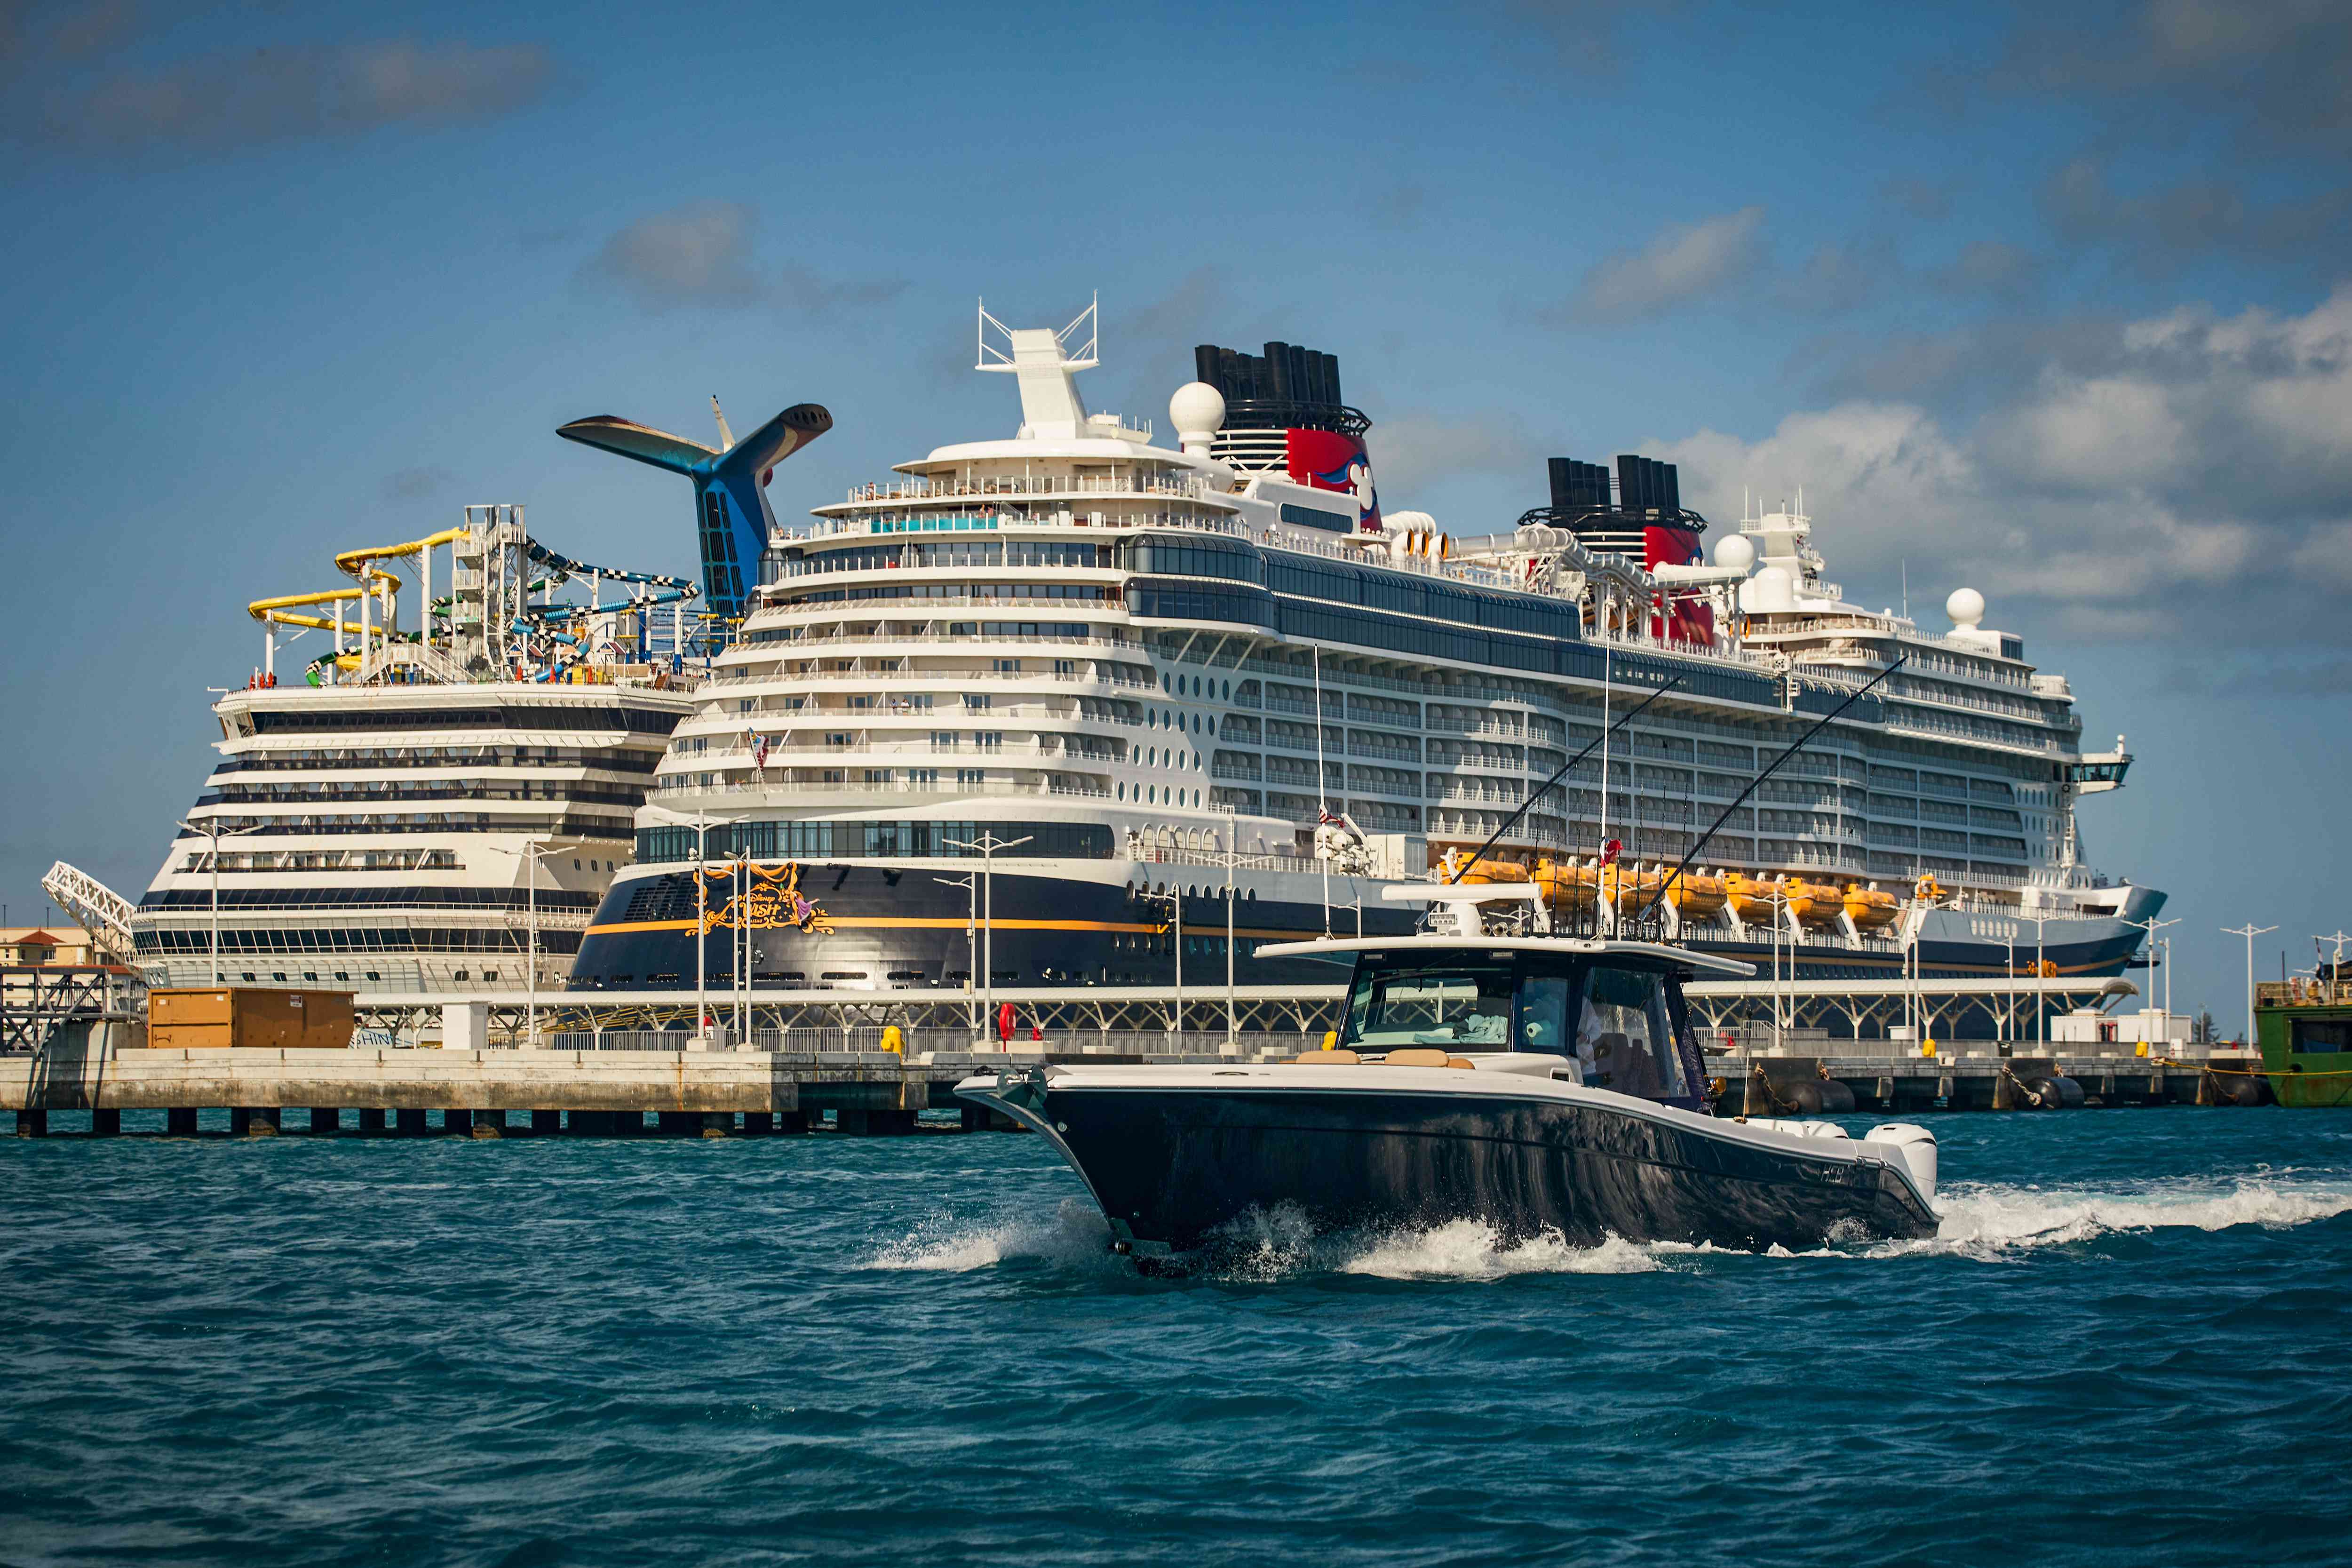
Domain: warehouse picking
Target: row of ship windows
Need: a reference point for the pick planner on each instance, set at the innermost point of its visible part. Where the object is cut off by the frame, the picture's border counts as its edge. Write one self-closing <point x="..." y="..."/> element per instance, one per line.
<point x="237" y="939"/>
<point x="821" y="840"/>
<point x="509" y="717"/>
<point x="427" y="822"/>
<point x="391" y="793"/>
<point x="1633" y="671"/>
<point x="614" y="760"/>
<point x="552" y="899"/>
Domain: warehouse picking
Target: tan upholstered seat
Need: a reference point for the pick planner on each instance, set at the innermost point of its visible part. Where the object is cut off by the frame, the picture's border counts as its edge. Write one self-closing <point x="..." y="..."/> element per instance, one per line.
<point x="1326" y="1058"/>
<point x="1418" y="1057"/>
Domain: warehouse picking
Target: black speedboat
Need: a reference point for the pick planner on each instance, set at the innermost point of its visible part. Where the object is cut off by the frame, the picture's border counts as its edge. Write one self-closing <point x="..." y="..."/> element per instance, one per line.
<point x="1487" y="1070"/>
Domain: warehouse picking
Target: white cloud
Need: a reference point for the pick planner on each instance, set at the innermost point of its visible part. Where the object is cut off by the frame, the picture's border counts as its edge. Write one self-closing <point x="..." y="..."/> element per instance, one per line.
<point x="1682" y="263"/>
<point x="2198" y="484"/>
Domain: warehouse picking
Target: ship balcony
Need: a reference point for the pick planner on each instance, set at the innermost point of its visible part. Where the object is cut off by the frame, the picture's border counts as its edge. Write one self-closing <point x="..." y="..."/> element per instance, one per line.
<point x="837" y="644"/>
<point x="901" y="784"/>
<point x="1023" y="487"/>
<point x="949" y="675"/>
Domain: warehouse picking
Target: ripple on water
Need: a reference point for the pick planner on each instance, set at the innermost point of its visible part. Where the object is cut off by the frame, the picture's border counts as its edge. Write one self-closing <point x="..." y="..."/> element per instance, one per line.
<point x="795" y="1350"/>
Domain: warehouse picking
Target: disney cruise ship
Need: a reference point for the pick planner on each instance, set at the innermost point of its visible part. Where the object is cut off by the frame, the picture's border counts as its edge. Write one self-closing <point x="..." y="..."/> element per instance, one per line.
<point x="1216" y="681"/>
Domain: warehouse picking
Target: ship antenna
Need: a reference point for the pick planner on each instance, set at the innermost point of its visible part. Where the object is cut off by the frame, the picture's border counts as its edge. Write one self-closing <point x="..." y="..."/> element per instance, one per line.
<point x="1819" y="724"/>
<point x="1537" y="794"/>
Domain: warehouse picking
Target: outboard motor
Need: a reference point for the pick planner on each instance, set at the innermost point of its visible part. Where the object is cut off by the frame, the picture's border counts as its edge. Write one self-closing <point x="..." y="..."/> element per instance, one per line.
<point x="1915" y="1146"/>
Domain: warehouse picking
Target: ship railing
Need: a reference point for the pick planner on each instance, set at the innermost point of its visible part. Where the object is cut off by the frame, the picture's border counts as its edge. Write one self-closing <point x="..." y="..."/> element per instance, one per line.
<point x="775" y="718"/>
<point x="2298" y="992"/>
<point x="895" y="749"/>
<point x="788" y="648"/>
<point x="953" y="676"/>
<point x="861" y="786"/>
<point x="1027" y="486"/>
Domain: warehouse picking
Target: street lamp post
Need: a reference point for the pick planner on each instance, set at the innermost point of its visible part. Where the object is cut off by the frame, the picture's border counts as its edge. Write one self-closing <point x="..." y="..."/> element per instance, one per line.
<point x="2041" y="980"/>
<point x="211" y="831"/>
<point x="2249" y="930"/>
<point x="988" y="844"/>
<point x="970" y="941"/>
<point x="2152" y="925"/>
<point x="700" y="822"/>
<point x="1175" y="898"/>
<point x="533" y="851"/>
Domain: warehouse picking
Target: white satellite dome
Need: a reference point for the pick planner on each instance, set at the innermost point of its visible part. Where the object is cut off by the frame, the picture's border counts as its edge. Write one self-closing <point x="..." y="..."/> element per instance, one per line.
<point x="1735" y="552"/>
<point x="1967" y="608"/>
<point x="1196" y="410"/>
<point x="1769" y="590"/>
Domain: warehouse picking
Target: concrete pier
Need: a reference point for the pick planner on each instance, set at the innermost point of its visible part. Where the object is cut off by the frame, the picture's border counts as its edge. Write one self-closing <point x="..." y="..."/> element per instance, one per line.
<point x="1973" y="1075"/>
<point x="608" y="1093"/>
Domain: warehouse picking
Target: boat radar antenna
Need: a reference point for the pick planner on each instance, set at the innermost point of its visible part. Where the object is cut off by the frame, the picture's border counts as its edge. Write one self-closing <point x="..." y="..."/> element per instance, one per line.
<point x="1046" y="363"/>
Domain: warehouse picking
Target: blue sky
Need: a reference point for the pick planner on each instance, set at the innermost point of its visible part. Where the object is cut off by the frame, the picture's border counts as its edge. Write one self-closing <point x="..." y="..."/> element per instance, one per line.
<point x="2047" y="308"/>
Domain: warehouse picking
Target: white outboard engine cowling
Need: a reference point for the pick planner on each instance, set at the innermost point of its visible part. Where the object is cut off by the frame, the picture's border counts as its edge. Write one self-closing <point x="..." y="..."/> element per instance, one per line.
<point x="1915" y="1146"/>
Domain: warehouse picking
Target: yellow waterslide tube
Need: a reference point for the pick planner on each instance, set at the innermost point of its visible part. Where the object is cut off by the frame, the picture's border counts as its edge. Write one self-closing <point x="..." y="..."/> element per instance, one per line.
<point x="350" y="560"/>
<point x="260" y="608"/>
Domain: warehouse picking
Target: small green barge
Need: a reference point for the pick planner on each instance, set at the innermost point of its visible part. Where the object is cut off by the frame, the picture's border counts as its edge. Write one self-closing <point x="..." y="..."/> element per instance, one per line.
<point x="2305" y="1030"/>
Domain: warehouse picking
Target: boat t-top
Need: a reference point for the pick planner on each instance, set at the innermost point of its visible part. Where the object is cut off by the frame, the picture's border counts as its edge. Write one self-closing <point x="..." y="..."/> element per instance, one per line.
<point x="1489" y="1068"/>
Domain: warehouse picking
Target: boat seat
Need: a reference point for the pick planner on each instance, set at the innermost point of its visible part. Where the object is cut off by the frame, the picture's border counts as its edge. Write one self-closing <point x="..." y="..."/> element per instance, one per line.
<point x="1418" y="1057"/>
<point x="1327" y="1058"/>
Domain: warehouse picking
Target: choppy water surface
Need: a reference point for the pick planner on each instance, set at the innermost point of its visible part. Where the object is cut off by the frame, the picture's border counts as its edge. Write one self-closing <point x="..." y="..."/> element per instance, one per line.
<point x="2128" y="1346"/>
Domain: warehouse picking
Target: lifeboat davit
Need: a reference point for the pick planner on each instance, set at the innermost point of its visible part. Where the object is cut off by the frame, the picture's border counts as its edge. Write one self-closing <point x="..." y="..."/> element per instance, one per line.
<point x="1869" y="909"/>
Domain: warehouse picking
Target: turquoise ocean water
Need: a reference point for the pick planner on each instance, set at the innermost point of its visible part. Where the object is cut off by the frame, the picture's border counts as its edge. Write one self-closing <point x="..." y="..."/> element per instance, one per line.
<point x="2130" y="1346"/>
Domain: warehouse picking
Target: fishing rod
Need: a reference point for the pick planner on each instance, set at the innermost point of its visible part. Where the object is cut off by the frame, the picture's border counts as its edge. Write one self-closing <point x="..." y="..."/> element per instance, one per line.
<point x="1537" y="794"/>
<point x="1708" y="835"/>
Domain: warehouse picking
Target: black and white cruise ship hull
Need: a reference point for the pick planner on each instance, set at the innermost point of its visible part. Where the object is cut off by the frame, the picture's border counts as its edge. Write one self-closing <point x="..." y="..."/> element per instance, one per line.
<point x="900" y="924"/>
<point x="1179" y="1158"/>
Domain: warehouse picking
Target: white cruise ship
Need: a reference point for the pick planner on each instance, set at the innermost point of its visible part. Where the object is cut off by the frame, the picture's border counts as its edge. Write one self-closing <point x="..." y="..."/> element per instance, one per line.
<point x="1160" y="672"/>
<point x="424" y="809"/>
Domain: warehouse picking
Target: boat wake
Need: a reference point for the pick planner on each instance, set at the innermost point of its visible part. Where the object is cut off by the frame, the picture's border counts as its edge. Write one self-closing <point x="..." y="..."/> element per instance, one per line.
<point x="1983" y="1222"/>
<point x="1991" y="1221"/>
<point x="1072" y="1235"/>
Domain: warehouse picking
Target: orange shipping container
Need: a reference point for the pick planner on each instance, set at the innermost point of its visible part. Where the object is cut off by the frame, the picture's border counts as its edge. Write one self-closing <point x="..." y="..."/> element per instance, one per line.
<point x="247" y="1015"/>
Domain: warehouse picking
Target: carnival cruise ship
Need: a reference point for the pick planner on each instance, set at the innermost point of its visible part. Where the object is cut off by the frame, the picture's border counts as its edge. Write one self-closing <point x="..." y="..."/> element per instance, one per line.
<point x="1182" y="689"/>
<point x="431" y="808"/>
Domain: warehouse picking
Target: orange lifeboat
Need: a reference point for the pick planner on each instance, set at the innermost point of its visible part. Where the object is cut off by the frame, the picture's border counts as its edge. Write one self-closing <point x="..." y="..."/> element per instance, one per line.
<point x="1629" y="886"/>
<point x="1869" y="909"/>
<point x="1485" y="870"/>
<point x="1752" y="899"/>
<point x="1568" y="886"/>
<point x="1815" y="904"/>
<point x="1695" y="898"/>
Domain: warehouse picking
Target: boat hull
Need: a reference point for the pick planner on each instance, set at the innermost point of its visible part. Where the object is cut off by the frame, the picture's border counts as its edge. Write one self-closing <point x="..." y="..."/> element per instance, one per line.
<point x="1179" y="1167"/>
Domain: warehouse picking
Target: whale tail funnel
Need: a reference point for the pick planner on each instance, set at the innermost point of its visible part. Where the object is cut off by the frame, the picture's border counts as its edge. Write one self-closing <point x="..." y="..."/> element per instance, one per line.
<point x="731" y="512"/>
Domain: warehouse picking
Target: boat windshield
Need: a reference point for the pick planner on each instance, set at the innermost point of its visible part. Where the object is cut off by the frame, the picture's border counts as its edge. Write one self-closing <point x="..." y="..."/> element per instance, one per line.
<point x="1459" y="1000"/>
<point x="1624" y="1037"/>
<point x="1616" y="1023"/>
